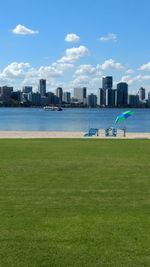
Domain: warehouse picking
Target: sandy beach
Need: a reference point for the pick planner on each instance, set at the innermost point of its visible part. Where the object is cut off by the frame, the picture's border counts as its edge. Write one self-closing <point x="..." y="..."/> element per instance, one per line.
<point x="46" y="134"/>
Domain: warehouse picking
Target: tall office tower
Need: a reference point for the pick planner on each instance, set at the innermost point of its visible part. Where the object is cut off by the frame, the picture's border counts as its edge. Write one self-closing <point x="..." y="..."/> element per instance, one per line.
<point x="133" y="100"/>
<point x="42" y="87"/>
<point x="36" y="99"/>
<point x="110" y="97"/>
<point x="80" y="94"/>
<point x="107" y="82"/>
<point x="67" y="97"/>
<point x="122" y="94"/>
<point x="59" y="94"/>
<point x="141" y="94"/>
<point x="92" y="101"/>
<point x="27" y="89"/>
<point x="5" y="92"/>
<point x="101" y="97"/>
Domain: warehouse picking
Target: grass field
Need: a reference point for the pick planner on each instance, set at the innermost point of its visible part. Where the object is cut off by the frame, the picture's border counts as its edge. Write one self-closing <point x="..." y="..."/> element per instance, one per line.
<point x="74" y="203"/>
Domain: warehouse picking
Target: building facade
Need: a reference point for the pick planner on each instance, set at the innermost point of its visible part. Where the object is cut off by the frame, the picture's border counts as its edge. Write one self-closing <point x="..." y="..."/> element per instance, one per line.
<point x="42" y="87"/>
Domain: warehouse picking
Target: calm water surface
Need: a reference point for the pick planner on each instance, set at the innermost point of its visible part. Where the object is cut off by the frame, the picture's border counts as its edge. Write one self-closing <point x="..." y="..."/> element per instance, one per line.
<point x="36" y="119"/>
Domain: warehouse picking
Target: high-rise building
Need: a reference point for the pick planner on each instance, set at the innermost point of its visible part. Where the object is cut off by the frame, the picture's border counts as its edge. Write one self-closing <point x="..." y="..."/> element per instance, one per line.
<point x="133" y="100"/>
<point x="107" y="82"/>
<point x="101" y="97"/>
<point x="92" y="101"/>
<point x="27" y="89"/>
<point x="16" y="96"/>
<point x="110" y="97"/>
<point x="5" y="92"/>
<point x="67" y="97"/>
<point x="59" y="94"/>
<point x="36" y="99"/>
<point x="42" y="87"/>
<point x="80" y="94"/>
<point x="122" y="94"/>
<point x="53" y="99"/>
<point x="141" y="94"/>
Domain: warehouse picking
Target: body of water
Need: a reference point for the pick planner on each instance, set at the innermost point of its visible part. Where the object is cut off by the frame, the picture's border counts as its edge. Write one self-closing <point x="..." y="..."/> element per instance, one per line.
<point x="71" y="119"/>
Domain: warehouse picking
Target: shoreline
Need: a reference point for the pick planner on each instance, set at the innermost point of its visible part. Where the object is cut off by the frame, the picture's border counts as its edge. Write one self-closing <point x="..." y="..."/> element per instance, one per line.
<point x="74" y="135"/>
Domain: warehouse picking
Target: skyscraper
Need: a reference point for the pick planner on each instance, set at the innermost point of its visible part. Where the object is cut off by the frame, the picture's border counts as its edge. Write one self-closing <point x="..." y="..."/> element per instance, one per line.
<point x="80" y="94"/>
<point x="92" y="100"/>
<point x="107" y="82"/>
<point x="42" y="87"/>
<point x="122" y="94"/>
<point x="101" y="97"/>
<point x="27" y="89"/>
<point x="67" y="97"/>
<point x="110" y="97"/>
<point x="59" y="94"/>
<point x="141" y="94"/>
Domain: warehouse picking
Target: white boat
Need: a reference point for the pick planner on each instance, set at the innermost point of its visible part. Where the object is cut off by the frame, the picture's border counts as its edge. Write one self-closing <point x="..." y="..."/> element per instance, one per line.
<point x="48" y="108"/>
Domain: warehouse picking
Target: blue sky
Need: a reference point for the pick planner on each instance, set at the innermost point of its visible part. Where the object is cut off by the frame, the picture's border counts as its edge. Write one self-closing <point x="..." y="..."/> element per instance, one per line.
<point x="75" y="43"/>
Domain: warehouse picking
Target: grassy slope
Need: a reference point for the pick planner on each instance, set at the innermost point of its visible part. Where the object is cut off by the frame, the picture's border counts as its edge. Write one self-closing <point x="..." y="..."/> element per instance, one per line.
<point x="74" y="203"/>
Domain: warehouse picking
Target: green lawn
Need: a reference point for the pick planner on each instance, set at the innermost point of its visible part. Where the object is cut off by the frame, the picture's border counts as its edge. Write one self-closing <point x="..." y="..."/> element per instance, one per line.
<point x="74" y="203"/>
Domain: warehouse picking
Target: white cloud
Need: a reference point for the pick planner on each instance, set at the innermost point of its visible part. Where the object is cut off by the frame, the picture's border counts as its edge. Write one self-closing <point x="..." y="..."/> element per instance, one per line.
<point x="62" y="66"/>
<point x="72" y="38"/>
<point x="73" y="54"/>
<point x="129" y="71"/>
<point x="111" y="64"/>
<point x="15" y="70"/>
<point x="145" y="66"/>
<point x="82" y="80"/>
<point x="22" y="30"/>
<point x="109" y="37"/>
<point x="85" y="70"/>
<point x="139" y="78"/>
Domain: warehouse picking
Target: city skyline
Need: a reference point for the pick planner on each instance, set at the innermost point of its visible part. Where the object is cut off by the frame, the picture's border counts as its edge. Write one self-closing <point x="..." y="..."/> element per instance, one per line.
<point x="74" y="44"/>
<point x="106" y="96"/>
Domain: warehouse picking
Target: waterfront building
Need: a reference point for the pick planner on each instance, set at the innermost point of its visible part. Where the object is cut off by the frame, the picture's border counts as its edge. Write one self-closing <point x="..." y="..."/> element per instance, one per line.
<point x="35" y="99"/>
<point x="133" y="100"/>
<point x="5" y="93"/>
<point x="59" y="94"/>
<point x="107" y="82"/>
<point x="42" y="87"/>
<point x="122" y="94"/>
<point x="110" y="97"/>
<point x="27" y="89"/>
<point x="80" y="94"/>
<point x="101" y="97"/>
<point x="141" y="94"/>
<point x="92" y="101"/>
<point x="52" y="99"/>
<point x="16" y="96"/>
<point x="67" y="97"/>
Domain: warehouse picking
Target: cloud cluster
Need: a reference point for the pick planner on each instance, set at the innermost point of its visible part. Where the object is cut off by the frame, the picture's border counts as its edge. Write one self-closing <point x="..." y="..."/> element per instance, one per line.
<point x="73" y="54"/>
<point x="111" y="64"/>
<point x="109" y="37"/>
<point x="145" y="67"/>
<point x="22" y="73"/>
<point x="22" y="30"/>
<point x="72" y="38"/>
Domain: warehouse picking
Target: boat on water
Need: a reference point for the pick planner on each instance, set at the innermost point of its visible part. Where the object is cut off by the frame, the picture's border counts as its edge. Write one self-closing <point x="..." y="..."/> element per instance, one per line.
<point x="48" y="108"/>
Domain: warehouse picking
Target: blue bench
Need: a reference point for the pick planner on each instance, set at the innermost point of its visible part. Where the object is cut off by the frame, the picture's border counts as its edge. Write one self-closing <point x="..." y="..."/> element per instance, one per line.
<point x="92" y="131"/>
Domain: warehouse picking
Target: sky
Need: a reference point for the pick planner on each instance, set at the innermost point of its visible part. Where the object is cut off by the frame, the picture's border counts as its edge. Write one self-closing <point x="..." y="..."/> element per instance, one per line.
<point x="75" y="43"/>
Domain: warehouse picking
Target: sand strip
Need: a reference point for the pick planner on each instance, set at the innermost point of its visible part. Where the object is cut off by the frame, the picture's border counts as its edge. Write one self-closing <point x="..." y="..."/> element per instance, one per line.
<point x="46" y="134"/>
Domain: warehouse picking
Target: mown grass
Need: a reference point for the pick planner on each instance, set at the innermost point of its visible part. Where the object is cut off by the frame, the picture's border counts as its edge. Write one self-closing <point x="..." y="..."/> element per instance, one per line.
<point x="74" y="203"/>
